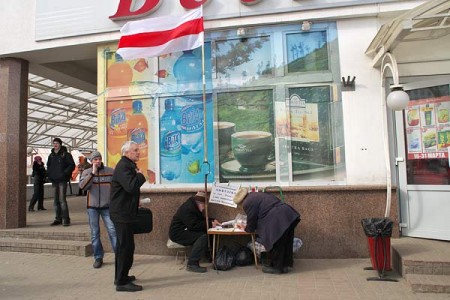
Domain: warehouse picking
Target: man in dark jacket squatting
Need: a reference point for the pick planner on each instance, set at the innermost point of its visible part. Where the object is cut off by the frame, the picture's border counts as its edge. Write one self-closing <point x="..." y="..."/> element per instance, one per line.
<point x="274" y="222"/>
<point x="60" y="165"/>
<point x="125" y="191"/>
<point x="188" y="227"/>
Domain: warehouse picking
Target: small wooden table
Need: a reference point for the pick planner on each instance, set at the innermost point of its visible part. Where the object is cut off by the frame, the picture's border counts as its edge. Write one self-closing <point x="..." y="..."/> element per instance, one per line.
<point x="230" y="231"/>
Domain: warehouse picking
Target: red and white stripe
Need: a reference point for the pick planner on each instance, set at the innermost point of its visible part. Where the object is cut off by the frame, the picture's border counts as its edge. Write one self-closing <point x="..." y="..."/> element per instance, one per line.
<point x="161" y="35"/>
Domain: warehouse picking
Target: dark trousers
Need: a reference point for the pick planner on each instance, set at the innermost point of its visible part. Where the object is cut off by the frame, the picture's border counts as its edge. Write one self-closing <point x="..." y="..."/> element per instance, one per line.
<point x="125" y="251"/>
<point x="199" y="242"/>
<point x="282" y="252"/>
<point x="60" y="201"/>
<point x="38" y="195"/>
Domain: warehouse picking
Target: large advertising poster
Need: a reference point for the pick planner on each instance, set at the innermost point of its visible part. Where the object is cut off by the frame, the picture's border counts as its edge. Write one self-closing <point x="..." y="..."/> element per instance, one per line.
<point x="182" y="143"/>
<point x="245" y="130"/>
<point x="129" y="120"/>
<point x="141" y="95"/>
<point x="312" y="145"/>
<point x="427" y="128"/>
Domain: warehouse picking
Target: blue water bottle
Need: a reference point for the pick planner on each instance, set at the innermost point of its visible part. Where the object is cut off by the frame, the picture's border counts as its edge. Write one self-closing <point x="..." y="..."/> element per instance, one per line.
<point x="170" y="142"/>
<point x="188" y="72"/>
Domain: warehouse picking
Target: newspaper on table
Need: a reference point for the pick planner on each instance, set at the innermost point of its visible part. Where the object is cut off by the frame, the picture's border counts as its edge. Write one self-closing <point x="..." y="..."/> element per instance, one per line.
<point x="223" y="194"/>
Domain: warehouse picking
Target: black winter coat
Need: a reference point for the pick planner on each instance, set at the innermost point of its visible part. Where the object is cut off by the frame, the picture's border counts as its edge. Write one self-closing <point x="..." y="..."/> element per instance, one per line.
<point x="39" y="172"/>
<point x="187" y="217"/>
<point x="125" y="191"/>
<point x="268" y="217"/>
<point x="60" y="165"/>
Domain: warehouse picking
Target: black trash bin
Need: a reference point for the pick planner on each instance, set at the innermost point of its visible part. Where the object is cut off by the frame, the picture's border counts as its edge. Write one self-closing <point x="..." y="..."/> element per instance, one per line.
<point x="379" y="232"/>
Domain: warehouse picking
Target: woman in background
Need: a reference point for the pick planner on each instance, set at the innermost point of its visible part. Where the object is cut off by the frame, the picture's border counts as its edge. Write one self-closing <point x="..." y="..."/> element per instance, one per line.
<point x="39" y="174"/>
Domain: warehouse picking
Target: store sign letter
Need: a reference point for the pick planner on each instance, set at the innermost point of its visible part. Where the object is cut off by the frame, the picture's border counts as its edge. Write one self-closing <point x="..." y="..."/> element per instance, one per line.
<point x="190" y="4"/>
<point x="250" y="2"/>
<point x="124" y="9"/>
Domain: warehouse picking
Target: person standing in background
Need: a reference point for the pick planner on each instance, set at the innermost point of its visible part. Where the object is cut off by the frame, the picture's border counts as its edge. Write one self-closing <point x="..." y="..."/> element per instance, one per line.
<point x="125" y="192"/>
<point x="60" y="165"/>
<point x="96" y="181"/>
<point x="39" y="174"/>
<point x="83" y="165"/>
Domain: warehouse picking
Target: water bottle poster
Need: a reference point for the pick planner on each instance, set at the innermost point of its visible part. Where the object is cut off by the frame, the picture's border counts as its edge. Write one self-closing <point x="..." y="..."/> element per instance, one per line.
<point x="181" y="140"/>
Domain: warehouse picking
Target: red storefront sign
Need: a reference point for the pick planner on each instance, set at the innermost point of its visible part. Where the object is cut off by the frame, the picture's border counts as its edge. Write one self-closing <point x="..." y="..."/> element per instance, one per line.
<point x="150" y="6"/>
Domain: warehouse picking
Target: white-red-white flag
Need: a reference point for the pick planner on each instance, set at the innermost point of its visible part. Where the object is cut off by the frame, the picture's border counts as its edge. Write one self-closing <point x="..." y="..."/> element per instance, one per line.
<point x="161" y="35"/>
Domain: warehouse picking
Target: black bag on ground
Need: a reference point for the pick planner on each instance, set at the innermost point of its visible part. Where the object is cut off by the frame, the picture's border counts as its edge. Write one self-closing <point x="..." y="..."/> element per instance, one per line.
<point x="224" y="260"/>
<point x="244" y="257"/>
<point x="144" y="223"/>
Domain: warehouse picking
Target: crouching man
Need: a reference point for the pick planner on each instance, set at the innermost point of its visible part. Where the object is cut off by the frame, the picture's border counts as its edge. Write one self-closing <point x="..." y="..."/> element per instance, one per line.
<point x="188" y="227"/>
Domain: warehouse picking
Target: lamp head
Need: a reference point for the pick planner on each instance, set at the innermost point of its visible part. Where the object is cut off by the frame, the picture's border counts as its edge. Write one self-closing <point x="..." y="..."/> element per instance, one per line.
<point x="397" y="99"/>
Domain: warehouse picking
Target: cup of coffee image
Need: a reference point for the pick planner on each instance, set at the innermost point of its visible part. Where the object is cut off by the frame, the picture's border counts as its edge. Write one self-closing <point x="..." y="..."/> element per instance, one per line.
<point x="224" y="131"/>
<point x="252" y="149"/>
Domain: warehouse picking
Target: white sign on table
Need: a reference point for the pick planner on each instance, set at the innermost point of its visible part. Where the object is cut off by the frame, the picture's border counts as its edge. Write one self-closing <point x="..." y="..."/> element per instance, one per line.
<point x="223" y="194"/>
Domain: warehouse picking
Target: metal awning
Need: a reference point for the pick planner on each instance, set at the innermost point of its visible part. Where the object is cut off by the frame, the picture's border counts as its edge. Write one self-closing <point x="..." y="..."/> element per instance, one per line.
<point x="58" y="110"/>
<point x="428" y="21"/>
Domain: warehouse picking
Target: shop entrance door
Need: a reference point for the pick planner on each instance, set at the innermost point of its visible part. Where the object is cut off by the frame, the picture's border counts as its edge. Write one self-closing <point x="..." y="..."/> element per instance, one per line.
<point x="423" y="146"/>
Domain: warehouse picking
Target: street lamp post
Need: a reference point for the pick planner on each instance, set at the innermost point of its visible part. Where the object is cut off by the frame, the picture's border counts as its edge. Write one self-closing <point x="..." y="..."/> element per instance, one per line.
<point x="396" y="100"/>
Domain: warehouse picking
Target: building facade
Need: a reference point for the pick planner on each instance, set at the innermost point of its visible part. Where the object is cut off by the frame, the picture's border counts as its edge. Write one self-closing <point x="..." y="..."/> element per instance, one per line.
<point x="293" y="97"/>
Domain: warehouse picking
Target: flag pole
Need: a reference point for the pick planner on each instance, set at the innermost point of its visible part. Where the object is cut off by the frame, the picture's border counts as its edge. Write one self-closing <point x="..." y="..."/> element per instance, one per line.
<point x="205" y="131"/>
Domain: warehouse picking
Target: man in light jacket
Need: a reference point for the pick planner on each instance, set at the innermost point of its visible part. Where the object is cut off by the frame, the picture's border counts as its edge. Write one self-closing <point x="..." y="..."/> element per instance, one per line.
<point x="97" y="182"/>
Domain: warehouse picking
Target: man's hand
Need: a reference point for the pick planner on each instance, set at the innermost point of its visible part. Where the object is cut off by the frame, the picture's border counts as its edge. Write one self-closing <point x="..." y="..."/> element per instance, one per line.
<point x="94" y="168"/>
<point x="240" y="226"/>
<point x="215" y="223"/>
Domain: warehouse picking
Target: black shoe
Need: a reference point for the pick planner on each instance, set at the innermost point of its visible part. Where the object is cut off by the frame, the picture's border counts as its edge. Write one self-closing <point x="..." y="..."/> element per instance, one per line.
<point x="42" y="208"/>
<point x="98" y="263"/>
<point x="129" y="287"/>
<point x="271" y="270"/>
<point x="30" y="209"/>
<point x="56" y="222"/>
<point x="129" y="279"/>
<point x="66" y="222"/>
<point x="196" y="269"/>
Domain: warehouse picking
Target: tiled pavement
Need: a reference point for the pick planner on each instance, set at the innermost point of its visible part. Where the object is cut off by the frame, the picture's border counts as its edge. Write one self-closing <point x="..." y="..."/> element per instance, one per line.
<point x="46" y="276"/>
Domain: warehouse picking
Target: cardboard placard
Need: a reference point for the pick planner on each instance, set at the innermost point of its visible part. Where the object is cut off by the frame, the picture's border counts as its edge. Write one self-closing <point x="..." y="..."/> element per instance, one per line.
<point x="223" y="194"/>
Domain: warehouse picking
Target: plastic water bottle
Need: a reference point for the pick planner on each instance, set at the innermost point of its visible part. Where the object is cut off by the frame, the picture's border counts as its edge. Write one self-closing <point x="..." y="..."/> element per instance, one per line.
<point x="191" y="119"/>
<point x="188" y="72"/>
<point x="170" y="142"/>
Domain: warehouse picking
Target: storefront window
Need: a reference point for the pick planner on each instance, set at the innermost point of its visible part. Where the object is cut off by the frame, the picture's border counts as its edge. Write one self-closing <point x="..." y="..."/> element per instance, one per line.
<point x="271" y="98"/>
<point x="307" y="51"/>
<point x="245" y="131"/>
<point x="427" y="126"/>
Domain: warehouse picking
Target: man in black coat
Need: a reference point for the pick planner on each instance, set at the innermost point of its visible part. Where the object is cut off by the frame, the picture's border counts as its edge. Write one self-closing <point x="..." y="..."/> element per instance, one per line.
<point x="60" y="165"/>
<point x="274" y="222"/>
<point x="188" y="227"/>
<point x="125" y="191"/>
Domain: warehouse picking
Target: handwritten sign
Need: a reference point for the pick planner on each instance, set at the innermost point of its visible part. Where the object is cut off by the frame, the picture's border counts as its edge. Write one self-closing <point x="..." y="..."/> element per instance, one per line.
<point x="223" y="194"/>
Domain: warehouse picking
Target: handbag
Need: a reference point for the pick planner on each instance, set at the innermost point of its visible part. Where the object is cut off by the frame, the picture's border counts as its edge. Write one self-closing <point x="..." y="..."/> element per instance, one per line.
<point x="224" y="259"/>
<point x="144" y="222"/>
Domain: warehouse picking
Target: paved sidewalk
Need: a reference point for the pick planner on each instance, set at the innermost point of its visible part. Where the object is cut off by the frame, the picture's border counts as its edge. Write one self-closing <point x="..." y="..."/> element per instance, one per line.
<point x="44" y="276"/>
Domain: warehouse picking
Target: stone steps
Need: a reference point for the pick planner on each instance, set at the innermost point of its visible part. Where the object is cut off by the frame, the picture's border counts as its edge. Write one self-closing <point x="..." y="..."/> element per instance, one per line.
<point x="32" y="241"/>
<point x="421" y="283"/>
<point x="425" y="264"/>
<point x="45" y="235"/>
